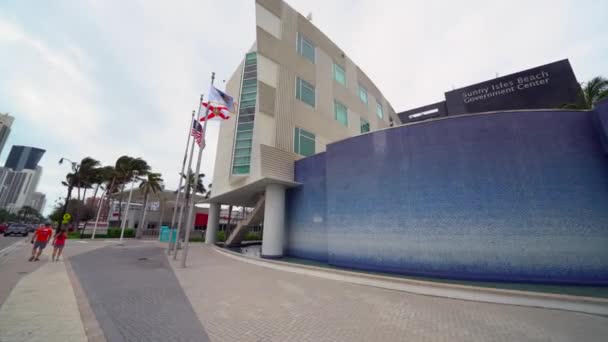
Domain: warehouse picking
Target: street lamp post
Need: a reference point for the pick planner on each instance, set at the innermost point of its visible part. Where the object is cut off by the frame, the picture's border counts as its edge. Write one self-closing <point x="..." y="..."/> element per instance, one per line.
<point x="75" y="168"/>
<point x="124" y="219"/>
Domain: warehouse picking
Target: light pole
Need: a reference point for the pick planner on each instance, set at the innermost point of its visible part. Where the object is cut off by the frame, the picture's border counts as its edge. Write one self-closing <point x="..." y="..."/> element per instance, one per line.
<point x="75" y="168"/>
<point x="124" y="219"/>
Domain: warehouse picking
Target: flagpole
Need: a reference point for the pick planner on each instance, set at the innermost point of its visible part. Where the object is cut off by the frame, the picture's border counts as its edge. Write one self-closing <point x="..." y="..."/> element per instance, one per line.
<point x="179" y="187"/>
<point x="198" y="167"/>
<point x="187" y="186"/>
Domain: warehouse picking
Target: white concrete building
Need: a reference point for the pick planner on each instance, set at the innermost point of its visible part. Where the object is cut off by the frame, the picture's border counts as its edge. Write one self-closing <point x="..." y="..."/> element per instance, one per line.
<point x="6" y="121"/>
<point x="297" y="91"/>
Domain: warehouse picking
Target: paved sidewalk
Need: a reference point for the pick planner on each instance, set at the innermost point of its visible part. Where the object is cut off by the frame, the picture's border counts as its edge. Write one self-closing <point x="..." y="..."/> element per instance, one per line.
<point x="42" y="307"/>
<point x="238" y="301"/>
<point x="135" y="295"/>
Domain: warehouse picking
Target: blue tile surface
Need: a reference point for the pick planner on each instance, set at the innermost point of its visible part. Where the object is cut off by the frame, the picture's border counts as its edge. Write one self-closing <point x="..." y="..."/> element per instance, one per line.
<point x="511" y="196"/>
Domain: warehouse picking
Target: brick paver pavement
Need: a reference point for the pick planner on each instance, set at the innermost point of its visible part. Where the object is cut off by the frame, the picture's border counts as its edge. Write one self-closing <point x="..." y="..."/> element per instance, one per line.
<point x="135" y="295"/>
<point x="237" y="301"/>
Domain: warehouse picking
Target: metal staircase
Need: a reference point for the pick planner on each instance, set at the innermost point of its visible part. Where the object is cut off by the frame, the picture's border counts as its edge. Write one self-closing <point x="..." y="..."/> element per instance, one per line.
<point x="255" y="217"/>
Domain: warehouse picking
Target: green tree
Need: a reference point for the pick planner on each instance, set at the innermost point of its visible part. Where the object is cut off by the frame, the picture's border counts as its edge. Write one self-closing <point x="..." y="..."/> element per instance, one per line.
<point x="593" y="91"/>
<point x="152" y="183"/>
<point x="126" y="169"/>
<point x="6" y="216"/>
<point x="28" y="214"/>
<point x="191" y="183"/>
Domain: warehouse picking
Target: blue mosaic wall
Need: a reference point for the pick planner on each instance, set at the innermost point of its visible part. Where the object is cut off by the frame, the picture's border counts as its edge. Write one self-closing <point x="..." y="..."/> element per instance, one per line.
<point x="512" y="196"/>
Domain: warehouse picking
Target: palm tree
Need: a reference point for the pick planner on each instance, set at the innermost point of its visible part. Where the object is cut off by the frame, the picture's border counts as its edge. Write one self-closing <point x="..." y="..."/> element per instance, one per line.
<point x="100" y="176"/>
<point x="190" y="183"/>
<point x="126" y="167"/>
<point x="152" y="183"/>
<point x="85" y="177"/>
<point x="85" y="174"/>
<point x="592" y="92"/>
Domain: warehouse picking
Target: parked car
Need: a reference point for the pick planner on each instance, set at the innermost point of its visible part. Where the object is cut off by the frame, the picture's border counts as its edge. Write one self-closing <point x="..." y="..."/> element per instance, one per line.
<point x="3" y="227"/>
<point x="32" y="227"/>
<point x="16" y="229"/>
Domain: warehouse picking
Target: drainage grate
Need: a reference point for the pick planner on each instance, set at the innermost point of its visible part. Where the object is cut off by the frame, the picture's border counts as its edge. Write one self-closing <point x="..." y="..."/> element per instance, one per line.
<point x="142" y="259"/>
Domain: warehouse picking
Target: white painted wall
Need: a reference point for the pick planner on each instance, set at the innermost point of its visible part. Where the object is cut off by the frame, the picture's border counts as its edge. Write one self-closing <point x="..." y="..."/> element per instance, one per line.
<point x="267" y="21"/>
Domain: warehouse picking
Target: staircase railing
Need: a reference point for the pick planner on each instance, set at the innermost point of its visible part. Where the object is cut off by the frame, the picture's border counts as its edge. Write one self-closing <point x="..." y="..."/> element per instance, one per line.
<point x="240" y="230"/>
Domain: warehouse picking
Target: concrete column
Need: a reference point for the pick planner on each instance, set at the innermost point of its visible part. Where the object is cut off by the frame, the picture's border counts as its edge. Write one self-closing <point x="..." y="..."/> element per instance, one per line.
<point x="274" y="221"/>
<point x="213" y="223"/>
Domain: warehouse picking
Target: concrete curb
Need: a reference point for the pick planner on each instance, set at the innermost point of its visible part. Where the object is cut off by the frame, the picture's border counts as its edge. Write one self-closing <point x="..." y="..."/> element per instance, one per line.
<point x="595" y="306"/>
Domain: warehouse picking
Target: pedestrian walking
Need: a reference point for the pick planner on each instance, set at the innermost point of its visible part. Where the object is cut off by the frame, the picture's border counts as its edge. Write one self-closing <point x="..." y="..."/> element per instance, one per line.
<point x="59" y="243"/>
<point x="42" y="237"/>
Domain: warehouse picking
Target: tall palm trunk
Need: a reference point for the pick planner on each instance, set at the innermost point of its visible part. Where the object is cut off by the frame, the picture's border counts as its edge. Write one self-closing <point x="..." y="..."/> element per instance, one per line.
<point x="94" y="196"/>
<point x="142" y="222"/>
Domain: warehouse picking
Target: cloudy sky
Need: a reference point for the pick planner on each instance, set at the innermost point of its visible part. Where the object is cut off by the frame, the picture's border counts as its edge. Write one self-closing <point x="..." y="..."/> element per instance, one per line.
<point x="105" y="78"/>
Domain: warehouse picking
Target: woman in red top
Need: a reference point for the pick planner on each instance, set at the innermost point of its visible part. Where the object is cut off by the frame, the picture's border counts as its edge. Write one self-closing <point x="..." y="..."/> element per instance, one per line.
<point x="59" y="243"/>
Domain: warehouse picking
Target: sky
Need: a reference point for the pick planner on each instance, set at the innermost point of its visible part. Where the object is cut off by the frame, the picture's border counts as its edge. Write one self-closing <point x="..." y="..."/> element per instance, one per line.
<point x="106" y="78"/>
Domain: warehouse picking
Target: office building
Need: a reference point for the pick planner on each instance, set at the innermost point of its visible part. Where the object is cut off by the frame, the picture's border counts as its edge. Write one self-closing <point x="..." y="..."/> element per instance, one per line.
<point x="16" y="187"/>
<point x="298" y="92"/>
<point x="37" y="200"/>
<point x="23" y="157"/>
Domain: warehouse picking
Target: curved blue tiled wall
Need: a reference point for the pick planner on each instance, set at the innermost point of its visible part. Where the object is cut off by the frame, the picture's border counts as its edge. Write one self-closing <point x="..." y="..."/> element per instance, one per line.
<point x="510" y="196"/>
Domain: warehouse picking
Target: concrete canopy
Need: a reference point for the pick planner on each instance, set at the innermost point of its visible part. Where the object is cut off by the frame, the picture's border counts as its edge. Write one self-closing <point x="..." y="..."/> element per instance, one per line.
<point x="246" y="196"/>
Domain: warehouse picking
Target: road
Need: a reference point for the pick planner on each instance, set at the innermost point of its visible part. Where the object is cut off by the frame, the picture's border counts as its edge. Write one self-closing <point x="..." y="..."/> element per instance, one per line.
<point x="6" y="241"/>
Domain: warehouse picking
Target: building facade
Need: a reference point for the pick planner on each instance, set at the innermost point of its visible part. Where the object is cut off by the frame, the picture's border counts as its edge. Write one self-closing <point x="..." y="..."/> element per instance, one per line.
<point x="19" y="178"/>
<point x="297" y="92"/>
<point x="543" y="87"/>
<point x="24" y="157"/>
<point x="6" y="121"/>
<point x="37" y="200"/>
<point x="17" y="186"/>
<point x="517" y="196"/>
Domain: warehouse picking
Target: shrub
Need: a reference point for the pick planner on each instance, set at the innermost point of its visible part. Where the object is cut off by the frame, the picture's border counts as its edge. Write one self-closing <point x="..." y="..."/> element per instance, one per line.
<point x="197" y="239"/>
<point x="221" y="236"/>
<point x="114" y="233"/>
<point x="253" y="236"/>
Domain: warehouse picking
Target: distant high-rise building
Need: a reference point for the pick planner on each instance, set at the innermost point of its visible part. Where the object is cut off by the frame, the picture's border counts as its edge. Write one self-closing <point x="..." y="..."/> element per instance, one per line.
<point x="37" y="200"/>
<point x="24" y="157"/>
<point x="16" y="186"/>
<point x="20" y="177"/>
<point x="6" y="121"/>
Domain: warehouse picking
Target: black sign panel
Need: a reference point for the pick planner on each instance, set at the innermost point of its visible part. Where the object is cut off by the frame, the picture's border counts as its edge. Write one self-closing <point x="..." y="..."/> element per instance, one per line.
<point x="543" y="87"/>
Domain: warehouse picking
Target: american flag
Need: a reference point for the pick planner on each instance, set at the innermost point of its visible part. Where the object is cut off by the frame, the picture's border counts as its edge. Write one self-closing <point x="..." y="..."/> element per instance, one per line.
<point x="197" y="133"/>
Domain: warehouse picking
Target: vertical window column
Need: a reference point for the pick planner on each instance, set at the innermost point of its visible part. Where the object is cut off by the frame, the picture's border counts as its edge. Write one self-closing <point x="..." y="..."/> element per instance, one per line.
<point x="241" y="158"/>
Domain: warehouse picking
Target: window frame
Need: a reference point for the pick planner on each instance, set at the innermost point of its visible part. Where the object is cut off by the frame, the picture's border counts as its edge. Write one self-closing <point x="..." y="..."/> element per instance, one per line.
<point x="299" y="81"/>
<point x="366" y="101"/>
<point x="337" y="105"/>
<point x="300" y="39"/>
<point x="300" y="133"/>
<point x="379" y="110"/>
<point x="362" y="123"/>
<point x="336" y="65"/>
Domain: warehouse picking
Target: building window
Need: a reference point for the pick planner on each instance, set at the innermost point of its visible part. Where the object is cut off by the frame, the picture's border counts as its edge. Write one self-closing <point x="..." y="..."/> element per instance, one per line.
<point x="340" y="113"/>
<point x="364" y="126"/>
<point x="305" y="92"/>
<point x="363" y="94"/>
<point x="303" y="142"/>
<point x="241" y="156"/>
<point x="379" y="110"/>
<point x="305" y="48"/>
<point x="339" y="74"/>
